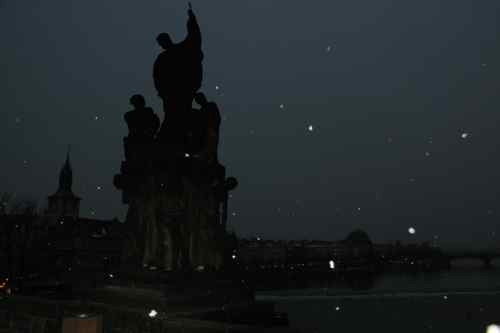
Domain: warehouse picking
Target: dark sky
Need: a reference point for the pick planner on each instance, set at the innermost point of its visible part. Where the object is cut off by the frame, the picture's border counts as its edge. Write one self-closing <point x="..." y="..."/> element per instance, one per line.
<point x="402" y="97"/>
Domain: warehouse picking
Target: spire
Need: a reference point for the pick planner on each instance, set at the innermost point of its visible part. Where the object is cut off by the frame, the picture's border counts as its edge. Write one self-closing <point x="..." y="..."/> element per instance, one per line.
<point x="66" y="175"/>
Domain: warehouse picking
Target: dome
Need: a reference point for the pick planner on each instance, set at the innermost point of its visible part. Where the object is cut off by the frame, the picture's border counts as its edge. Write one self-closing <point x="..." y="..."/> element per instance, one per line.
<point x="358" y="237"/>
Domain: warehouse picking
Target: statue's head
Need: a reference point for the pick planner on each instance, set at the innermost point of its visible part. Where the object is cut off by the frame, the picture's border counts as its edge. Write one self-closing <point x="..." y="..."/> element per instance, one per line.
<point x="164" y="40"/>
<point x="200" y="98"/>
<point x="138" y="101"/>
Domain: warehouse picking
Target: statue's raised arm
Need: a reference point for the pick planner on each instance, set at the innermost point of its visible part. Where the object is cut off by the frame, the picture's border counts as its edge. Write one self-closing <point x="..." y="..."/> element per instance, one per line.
<point x="194" y="33"/>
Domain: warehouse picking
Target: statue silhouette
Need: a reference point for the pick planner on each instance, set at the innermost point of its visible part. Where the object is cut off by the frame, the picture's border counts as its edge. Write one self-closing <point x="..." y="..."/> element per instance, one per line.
<point x="174" y="186"/>
<point x="195" y="134"/>
<point x="142" y="122"/>
<point x="178" y="72"/>
<point x="212" y="123"/>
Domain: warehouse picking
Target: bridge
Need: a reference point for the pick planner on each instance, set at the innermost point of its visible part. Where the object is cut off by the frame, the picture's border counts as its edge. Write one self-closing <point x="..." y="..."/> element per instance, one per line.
<point x="486" y="256"/>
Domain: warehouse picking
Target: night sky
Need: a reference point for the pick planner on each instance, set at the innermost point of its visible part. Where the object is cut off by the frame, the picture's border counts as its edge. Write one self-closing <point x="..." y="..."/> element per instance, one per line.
<point x="337" y="115"/>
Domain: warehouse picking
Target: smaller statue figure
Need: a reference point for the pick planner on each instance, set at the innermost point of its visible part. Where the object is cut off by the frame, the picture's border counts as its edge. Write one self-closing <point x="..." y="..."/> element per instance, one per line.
<point x="212" y="123"/>
<point x="196" y="132"/>
<point x="142" y="122"/>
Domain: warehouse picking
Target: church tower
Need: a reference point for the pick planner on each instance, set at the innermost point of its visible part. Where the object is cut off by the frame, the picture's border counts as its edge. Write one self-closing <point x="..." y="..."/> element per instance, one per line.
<point x="64" y="203"/>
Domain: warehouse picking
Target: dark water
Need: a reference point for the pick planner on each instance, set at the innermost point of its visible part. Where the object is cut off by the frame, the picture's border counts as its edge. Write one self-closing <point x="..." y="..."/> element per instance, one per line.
<point x="464" y="299"/>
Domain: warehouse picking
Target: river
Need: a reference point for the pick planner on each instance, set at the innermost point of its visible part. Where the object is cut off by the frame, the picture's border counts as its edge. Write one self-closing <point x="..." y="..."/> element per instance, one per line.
<point x="463" y="299"/>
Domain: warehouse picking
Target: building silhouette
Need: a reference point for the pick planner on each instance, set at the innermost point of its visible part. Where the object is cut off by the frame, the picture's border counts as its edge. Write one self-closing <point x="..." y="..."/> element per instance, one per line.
<point x="64" y="203"/>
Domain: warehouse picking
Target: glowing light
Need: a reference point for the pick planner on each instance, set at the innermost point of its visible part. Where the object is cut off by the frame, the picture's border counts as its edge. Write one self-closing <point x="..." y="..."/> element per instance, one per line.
<point x="337" y="308"/>
<point x="411" y="230"/>
<point x="217" y="87"/>
<point x="186" y="155"/>
<point x="445" y="297"/>
<point x="153" y="313"/>
<point x="464" y="135"/>
<point x="310" y="128"/>
<point x="96" y="118"/>
<point x="82" y="315"/>
<point x="331" y="263"/>
<point x="328" y="48"/>
<point x="111" y="275"/>
<point x="233" y="256"/>
<point x="282" y="106"/>
<point x="493" y="328"/>
<point x="98" y="188"/>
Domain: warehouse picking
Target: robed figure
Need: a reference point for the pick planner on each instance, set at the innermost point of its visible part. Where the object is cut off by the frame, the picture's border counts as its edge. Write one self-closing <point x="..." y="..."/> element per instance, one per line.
<point x="177" y="77"/>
